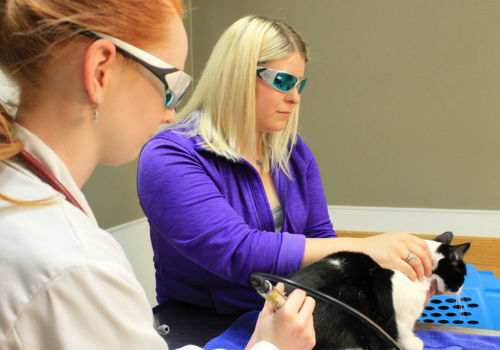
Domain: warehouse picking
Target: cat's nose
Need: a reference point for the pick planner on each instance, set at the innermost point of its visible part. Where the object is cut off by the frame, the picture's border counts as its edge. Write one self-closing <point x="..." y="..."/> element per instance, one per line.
<point x="452" y="291"/>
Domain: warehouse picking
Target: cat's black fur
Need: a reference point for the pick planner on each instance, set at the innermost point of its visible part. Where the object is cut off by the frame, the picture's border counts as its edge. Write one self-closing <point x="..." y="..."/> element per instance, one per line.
<point x="358" y="281"/>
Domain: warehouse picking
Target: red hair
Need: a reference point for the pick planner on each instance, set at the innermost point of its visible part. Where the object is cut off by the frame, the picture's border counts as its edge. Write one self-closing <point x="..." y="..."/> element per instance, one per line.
<point x="32" y="31"/>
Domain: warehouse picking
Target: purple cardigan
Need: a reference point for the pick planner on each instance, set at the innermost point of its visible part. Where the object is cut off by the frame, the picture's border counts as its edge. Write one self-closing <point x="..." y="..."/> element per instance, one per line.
<point x="212" y="226"/>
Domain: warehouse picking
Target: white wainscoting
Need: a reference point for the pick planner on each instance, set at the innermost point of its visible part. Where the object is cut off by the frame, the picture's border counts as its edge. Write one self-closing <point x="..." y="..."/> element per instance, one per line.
<point x="135" y="241"/>
<point x="475" y="223"/>
<point x="134" y="236"/>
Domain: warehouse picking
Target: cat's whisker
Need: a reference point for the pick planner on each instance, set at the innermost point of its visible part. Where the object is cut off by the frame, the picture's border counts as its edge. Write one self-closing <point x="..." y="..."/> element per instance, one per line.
<point x="465" y="309"/>
<point x="389" y="321"/>
<point x="457" y="306"/>
<point x="462" y="309"/>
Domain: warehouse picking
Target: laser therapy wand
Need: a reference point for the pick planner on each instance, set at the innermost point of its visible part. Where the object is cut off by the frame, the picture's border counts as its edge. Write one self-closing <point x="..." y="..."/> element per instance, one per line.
<point x="268" y="291"/>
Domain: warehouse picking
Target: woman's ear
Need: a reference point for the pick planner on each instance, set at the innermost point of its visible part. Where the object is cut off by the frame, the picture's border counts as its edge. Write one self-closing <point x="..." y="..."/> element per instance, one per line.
<point x="100" y="57"/>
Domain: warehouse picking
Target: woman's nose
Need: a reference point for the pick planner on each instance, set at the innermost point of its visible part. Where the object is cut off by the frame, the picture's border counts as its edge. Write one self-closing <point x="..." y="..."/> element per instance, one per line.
<point x="169" y="116"/>
<point x="293" y="96"/>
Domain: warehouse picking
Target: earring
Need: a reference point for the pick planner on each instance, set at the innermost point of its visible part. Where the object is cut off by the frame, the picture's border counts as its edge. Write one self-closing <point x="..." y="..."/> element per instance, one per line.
<point x="96" y="112"/>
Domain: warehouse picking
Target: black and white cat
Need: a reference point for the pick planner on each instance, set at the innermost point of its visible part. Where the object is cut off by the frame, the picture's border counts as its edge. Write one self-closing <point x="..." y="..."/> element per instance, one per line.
<point x="386" y="296"/>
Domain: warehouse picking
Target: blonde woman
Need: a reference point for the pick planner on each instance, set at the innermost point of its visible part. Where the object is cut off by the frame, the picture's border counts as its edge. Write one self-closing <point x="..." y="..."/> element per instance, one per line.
<point x="231" y="189"/>
<point x="94" y="85"/>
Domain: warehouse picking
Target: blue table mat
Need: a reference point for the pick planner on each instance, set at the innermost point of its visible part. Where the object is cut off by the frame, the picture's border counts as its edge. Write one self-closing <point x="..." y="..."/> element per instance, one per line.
<point x="238" y="335"/>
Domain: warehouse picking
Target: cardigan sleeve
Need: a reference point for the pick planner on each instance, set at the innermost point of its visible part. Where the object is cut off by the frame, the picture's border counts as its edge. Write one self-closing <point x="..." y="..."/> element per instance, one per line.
<point x="183" y="204"/>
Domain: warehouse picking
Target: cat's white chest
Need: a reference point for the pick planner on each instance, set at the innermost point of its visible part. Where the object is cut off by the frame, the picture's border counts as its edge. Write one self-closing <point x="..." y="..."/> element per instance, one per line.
<point x="408" y="299"/>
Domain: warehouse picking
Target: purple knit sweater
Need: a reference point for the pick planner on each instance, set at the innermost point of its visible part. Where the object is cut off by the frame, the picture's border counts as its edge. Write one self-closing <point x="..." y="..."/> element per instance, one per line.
<point x="211" y="224"/>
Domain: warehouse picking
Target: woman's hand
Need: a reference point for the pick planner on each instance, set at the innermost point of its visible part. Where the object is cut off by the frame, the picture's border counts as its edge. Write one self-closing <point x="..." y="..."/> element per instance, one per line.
<point x="401" y="251"/>
<point x="291" y="327"/>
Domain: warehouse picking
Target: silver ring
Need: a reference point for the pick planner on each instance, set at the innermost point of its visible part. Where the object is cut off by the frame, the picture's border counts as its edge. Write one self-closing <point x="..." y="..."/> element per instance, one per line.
<point x="411" y="257"/>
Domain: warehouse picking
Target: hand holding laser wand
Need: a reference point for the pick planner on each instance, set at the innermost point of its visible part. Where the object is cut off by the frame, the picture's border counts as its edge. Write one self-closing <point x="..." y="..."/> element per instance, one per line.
<point x="268" y="292"/>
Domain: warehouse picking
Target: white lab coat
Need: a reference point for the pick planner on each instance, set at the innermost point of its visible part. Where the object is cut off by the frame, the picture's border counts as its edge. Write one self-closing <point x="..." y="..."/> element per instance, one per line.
<point x="64" y="282"/>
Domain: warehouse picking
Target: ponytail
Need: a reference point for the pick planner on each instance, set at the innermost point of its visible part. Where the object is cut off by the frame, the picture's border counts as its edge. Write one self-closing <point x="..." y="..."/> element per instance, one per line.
<point x="8" y="146"/>
<point x="8" y="149"/>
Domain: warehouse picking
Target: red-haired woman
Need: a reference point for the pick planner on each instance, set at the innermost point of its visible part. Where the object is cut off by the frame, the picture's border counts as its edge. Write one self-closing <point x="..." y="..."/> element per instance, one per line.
<point x="94" y="86"/>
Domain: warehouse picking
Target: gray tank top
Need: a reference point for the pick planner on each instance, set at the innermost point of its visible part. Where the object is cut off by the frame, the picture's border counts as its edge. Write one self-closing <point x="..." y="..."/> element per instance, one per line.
<point x="278" y="218"/>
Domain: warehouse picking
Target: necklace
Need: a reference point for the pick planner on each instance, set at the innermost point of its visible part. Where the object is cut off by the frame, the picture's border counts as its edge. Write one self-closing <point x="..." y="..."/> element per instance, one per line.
<point x="258" y="161"/>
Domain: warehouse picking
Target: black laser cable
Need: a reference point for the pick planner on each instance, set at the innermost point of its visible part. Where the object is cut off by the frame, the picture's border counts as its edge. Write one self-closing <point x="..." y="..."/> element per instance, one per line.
<point x="381" y="333"/>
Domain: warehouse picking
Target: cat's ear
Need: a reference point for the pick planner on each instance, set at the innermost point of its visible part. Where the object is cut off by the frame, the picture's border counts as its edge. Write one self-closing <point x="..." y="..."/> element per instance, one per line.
<point x="458" y="251"/>
<point x="445" y="238"/>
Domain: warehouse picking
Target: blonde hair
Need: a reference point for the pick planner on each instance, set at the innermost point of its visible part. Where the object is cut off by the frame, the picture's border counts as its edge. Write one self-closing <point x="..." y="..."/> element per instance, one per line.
<point x="32" y="32"/>
<point x="222" y="107"/>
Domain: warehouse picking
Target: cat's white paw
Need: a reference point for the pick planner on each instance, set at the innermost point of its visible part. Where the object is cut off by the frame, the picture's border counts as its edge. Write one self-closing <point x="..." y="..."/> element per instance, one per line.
<point x="412" y="343"/>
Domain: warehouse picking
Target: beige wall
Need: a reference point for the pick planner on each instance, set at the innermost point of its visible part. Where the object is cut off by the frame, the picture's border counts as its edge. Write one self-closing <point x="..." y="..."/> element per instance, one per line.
<point x="403" y="99"/>
<point x="401" y="108"/>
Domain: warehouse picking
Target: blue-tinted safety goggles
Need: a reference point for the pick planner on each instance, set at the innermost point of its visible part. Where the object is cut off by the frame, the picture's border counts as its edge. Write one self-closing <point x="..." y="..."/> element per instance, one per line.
<point x="281" y="81"/>
<point x="176" y="82"/>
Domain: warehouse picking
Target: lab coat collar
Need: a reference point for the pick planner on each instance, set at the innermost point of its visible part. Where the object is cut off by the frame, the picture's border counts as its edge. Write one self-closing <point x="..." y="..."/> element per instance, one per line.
<point x="54" y="164"/>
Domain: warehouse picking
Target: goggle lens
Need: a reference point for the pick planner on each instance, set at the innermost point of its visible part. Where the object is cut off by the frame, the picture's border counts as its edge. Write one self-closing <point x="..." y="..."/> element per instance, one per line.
<point x="282" y="81"/>
<point x="176" y="85"/>
<point x="302" y="84"/>
<point x="169" y="99"/>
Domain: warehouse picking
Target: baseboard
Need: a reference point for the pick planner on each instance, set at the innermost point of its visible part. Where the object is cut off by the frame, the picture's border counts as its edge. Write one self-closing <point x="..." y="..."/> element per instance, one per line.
<point x="473" y="223"/>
